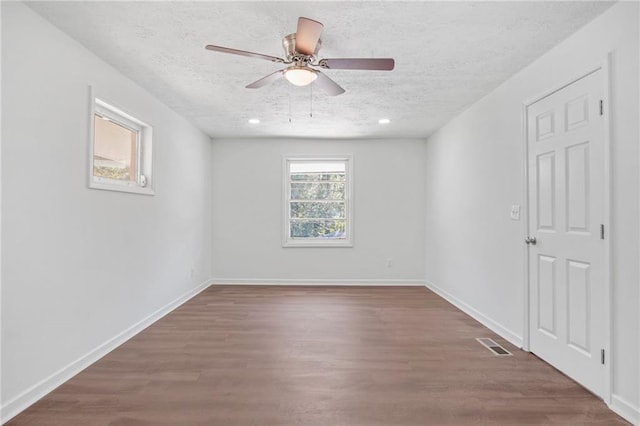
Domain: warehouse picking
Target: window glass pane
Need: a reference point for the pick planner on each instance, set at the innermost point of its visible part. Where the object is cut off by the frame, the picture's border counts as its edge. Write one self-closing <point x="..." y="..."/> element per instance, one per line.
<point x="114" y="150"/>
<point x="317" y="201"/>
<point x="317" y="191"/>
<point x="318" y="229"/>
<point x="312" y="177"/>
<point x="332" y="210"/>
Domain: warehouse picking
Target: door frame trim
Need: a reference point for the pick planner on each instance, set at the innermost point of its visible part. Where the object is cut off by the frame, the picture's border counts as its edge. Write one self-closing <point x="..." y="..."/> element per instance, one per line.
<point x="605" y="66"/>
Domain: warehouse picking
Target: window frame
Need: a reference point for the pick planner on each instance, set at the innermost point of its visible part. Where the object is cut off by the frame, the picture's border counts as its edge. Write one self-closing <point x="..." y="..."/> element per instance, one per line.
<point x="144" y="153"/>
<point x="347" y="241"/>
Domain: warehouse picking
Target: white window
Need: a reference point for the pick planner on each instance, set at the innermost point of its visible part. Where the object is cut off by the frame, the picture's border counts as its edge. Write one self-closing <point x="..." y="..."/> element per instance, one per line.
<point x="317" y="210"/>
<point x="120" y="154"/>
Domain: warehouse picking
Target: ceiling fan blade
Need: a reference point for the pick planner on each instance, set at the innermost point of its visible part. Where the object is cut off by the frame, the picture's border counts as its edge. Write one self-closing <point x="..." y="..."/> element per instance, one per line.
<point x="377" y="64"/>
<point x="243" y="53"/>
<point x="266" y="80"/>
<point x="307" y="35"/>
<point x="331" y="87"/>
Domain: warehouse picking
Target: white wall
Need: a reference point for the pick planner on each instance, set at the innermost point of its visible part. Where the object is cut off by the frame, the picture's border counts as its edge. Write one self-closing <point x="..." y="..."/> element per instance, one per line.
<point x="474" y="252"/>
<point x="81" y="266"/>
<point x="0" y="229"/>
<point x="388" y="214"/>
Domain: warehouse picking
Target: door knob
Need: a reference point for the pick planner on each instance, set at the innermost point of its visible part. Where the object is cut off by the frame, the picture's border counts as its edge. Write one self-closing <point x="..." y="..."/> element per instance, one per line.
<point x="531" y="240"/>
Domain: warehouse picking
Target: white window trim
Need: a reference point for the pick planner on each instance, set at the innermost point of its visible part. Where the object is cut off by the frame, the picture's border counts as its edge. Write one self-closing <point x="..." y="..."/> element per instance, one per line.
<point x="145" y="153"/>
<point x="343" y="242"/>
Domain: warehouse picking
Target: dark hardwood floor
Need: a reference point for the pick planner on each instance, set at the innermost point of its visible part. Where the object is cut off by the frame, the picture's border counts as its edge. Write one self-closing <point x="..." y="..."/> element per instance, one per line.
<point x="351" y="356"/>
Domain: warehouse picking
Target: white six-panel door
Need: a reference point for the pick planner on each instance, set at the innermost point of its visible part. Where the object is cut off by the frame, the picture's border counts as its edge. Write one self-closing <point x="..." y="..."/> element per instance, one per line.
<point x="565" y="137"/>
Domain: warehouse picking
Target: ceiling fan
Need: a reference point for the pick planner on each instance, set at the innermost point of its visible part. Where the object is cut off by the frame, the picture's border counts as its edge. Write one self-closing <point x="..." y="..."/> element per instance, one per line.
<point x="301" y="49"/>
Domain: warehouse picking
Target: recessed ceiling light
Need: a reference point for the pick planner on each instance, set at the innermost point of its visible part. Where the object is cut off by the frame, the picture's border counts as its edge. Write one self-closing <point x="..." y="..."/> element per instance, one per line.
<point x="384" y="121"/>
<point x="254" y="121"/>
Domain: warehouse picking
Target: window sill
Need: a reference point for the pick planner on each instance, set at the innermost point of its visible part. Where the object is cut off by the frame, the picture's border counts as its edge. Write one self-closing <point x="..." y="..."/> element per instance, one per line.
<point x="122" y="188"/>
<point x="319" y="244"/>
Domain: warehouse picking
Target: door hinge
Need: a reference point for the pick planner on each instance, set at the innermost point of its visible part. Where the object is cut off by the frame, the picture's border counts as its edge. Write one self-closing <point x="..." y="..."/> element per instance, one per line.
<point x="601" y="107"/>
<point x="602" y="356"/>
<point x="602" y="232"/>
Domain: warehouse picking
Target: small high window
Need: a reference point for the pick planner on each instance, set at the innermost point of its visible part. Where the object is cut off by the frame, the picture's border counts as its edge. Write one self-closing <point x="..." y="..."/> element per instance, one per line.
<point x="120" y="151"/>
<point x="317" y="207"/>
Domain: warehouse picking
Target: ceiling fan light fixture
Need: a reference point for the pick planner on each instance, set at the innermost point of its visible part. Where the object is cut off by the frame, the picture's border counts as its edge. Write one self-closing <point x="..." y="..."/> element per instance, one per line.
<point x="300" y="76"/>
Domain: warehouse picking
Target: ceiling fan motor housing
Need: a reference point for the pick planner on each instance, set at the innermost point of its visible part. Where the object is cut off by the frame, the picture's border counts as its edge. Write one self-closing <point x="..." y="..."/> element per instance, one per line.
<point x="289" y="45"/>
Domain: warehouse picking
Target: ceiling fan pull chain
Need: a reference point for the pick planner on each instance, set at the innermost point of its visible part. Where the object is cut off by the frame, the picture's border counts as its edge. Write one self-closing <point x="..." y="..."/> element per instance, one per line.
<point x="289" y="92"/>
<point x="311" y="101"/>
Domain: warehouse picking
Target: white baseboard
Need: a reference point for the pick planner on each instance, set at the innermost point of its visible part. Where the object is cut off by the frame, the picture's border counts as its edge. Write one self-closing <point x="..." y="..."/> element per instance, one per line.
<point x="318" y="282"/>
<point x="18" y="404"/>
<point x="491" y="324"/>
<point x="625" y="409"/>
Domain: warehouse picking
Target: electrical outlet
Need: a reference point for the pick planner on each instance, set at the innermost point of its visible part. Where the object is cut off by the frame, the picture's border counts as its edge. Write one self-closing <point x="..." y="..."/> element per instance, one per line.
<point x="389" y="262"/>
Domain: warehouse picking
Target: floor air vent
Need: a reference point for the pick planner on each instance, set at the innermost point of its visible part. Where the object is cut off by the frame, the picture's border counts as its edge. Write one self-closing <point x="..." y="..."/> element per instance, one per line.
<point x="493" y="346"/>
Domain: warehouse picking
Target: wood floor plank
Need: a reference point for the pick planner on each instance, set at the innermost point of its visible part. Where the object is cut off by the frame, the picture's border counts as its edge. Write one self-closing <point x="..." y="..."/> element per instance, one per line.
<point x="307" y="356"/>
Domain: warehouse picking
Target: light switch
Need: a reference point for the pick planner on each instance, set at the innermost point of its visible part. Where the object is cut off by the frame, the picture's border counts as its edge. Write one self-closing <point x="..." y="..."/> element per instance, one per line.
<point x="515" y="212"/>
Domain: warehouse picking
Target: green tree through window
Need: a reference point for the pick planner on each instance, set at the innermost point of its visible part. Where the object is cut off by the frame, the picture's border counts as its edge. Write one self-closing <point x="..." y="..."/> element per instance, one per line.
<point x="317" y="200"/>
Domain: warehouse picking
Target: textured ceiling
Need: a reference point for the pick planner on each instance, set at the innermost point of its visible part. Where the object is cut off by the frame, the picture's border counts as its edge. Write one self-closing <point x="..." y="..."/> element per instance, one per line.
<point x="448" y="55"/>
